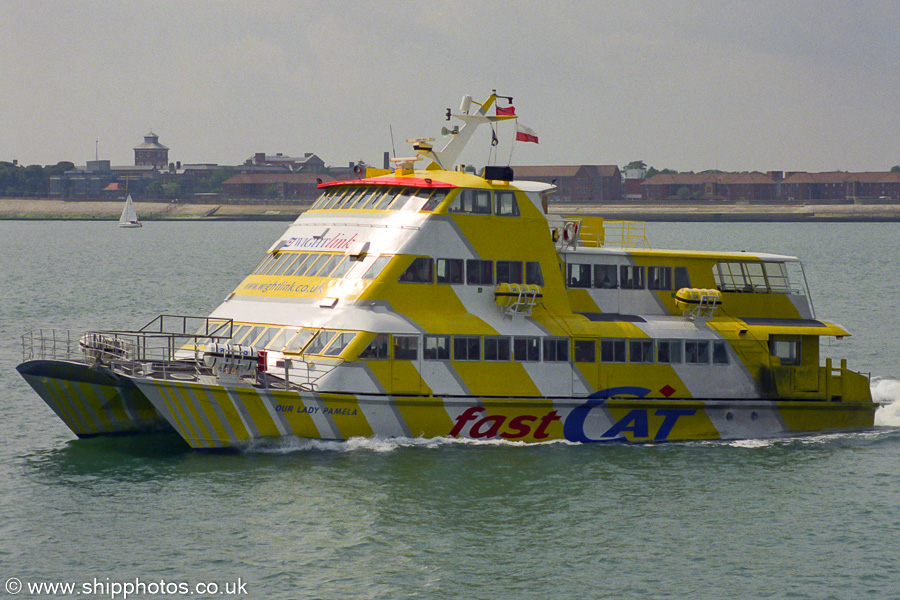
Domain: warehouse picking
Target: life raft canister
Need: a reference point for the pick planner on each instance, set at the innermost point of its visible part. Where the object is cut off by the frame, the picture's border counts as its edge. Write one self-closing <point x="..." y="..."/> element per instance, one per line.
<point x="690" y="298"/>
<point x="507" y="294"/>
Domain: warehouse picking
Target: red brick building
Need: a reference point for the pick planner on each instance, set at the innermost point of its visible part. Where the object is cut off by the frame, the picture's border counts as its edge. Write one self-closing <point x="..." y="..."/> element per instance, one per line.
<point x="277" y="186"/>
<point x="580" y="184"/>
<point x="714" y="186"/>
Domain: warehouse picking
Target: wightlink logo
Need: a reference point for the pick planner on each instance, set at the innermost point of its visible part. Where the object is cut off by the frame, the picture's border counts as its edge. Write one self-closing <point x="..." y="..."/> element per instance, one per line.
<point x="338" y="241"/>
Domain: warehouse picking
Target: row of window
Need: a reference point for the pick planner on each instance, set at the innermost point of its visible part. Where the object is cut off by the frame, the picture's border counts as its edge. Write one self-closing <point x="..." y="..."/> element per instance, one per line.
<point x="626" y="277"/>
<point x="382" y="197"/>
<point x="330" y="342"/>
<point x="534" y="349"/>
<point x="756" y="277"/>
<point x="319" y="264"/>
<point x="472" y="272"/>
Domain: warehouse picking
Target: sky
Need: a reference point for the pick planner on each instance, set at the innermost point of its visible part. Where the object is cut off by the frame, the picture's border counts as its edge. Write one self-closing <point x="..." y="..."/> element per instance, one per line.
<point x="690" y="85"/>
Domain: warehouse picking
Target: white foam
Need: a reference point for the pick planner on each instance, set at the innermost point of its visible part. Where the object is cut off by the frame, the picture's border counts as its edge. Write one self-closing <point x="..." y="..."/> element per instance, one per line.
<point x="887" y="393"/>
<point x="285" y="445"/>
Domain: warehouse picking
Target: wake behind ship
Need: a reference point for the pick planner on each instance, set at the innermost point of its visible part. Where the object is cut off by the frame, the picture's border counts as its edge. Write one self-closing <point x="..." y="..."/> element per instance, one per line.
<point x="429" y="301"/>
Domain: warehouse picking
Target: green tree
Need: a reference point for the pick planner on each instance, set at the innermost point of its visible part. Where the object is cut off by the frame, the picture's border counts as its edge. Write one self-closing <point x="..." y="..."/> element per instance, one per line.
<point x="635" y="164"/>
<point x="895" y="169"/>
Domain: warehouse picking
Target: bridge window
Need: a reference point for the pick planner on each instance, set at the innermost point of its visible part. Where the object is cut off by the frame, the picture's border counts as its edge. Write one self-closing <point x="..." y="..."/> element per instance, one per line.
<point x="340" y="342"/>
<point x="420" y="271"/>
<point x="435" y="200"/>
<point x="377" y="267"/>
<point x="299" y="341"/>
<point x="631" y="278"/>
<point x="377" y="348"/>
<point x="449" y="270"/>
<point x="605" y="277"/>
<point x="406" y="347"/>
<point x="526" y="349"/>
<point x="496" y="348"/>
<point x="320" y="342"/>
<point x="556" y="350"/>
<point x="506" y="204"/>
<point x="509" y="271"/>
<point x="466" y="348"/>
<point x="437" y="347"/>
<point x="720" y="353"/>
<point x="682" y="280"/>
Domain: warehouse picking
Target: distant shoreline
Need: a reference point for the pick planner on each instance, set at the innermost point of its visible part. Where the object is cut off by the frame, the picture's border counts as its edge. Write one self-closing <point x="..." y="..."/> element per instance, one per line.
<point x="61" y="210"/>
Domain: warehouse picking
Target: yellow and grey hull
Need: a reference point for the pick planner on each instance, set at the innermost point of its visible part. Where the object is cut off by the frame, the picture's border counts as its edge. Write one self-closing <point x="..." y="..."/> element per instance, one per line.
<point x="214" y="416"/>
<point x="91" y="401"/>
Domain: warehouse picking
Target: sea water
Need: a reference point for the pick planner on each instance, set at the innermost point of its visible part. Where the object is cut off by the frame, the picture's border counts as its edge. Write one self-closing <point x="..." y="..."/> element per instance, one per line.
<point x="145" y="517"/>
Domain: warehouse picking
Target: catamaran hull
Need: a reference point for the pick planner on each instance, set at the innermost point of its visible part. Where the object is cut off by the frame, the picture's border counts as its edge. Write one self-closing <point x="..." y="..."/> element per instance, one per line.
<point x="91" y="401"/>
<point x="212" y="416"/>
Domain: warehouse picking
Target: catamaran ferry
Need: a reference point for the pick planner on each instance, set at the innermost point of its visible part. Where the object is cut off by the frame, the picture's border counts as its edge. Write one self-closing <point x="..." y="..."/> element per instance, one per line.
<point x="430" y="301"/>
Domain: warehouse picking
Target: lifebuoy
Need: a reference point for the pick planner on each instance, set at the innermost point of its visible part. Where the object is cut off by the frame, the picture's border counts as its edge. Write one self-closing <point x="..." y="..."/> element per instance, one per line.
<point x="570" y="231"/>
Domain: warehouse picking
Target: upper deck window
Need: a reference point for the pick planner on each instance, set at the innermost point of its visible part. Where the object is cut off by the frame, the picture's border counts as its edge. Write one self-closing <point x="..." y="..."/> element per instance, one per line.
<point x="420" y="271"/>
<point x="472" y="202"/>
<point x="506" y="205"/>
<point x="746" y="276"/>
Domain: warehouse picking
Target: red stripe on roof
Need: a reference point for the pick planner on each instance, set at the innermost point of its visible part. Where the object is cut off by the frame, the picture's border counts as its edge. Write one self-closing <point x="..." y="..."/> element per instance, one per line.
<point x="418" y="182"/>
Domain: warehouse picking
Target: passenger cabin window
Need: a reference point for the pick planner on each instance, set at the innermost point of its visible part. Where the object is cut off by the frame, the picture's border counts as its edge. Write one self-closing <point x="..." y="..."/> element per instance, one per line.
<point x="406" y="347"/>
<point x="787" y="350"/>
<point x="472" y="202"/>
<point x="641" y="351"/>
<point x="668" y="352"/>
<point x="585" y="351"/>
<point x="612" y="351"/>
<point x="299" y="341"/>
<point x="506" y="205"/>
<point x="466" y="348"/>
<point x="377" y="348"/>
<point x="435" y="200"/>
<point x="340" y="342"/>
<point x="631" y="278"/>
<point x="420" y="271"/>
<point x="696" y="352"/>
<point x="437" y="347"/>
<point x="479" y="272"/>
<point x="605" y="277"/>
<point x="496" y="348"/>
<point x="533" y="275"/>
<point x="659" y="278"/>
<point x="556" y="350"/>
<point x="509" y="271"/>
<point x="579" y="275"/>
<point x="449" y="270"/>
<point x="526" y="349"/>
<point x="320" y="342"/>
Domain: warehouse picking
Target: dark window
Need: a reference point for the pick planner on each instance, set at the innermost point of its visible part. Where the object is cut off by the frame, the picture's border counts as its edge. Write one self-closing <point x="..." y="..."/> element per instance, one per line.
<point x="631" y="278"/>
<point x="506" y="204"/>
<point x="533" y="275"/>
<point x="496" y="348"/>
<point x="668" y="352"/>
<point x="420" y="271"/>
<point x="641" y="351"/>
<point x="605" y="277"/>
<point x="696" y="352"/>
<point x="556" y="350"/>
<point x="659" y="278"/>
<point x="466" y="348"/>
<point x="585" y="351"/>
<point x="787" y="350"/>
<point x="437" y="347"/>
<point x="720" y="353"/>
<point x="449" y="270"/>
<point x="682" y="280"/>
<point x="377" y="348"/>
<point x="509" y="271"/>
<point x="612" y="351"/>
<point x="579" y="276"/>
<point x="472" y="202"/>
<point x="406" y="347"/>
<point x="526" y="349"/>
<point x="479" y="272"/>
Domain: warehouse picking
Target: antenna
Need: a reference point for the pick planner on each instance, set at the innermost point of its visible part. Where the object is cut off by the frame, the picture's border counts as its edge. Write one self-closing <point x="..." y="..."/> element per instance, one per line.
<point x="393" y="148"/>
<point x="96" y="142"/>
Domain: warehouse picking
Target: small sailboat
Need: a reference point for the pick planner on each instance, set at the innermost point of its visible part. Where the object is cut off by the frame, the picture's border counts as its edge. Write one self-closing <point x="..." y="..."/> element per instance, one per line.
<point x="129" y="216"/>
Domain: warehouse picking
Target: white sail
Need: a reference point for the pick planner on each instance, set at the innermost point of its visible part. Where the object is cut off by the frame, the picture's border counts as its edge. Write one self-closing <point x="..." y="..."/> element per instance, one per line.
<point x="129" y="216"/>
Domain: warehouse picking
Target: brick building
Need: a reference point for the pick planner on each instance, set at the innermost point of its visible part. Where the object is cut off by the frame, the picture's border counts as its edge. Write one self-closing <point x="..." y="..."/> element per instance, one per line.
<point x="579" y="184"/>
